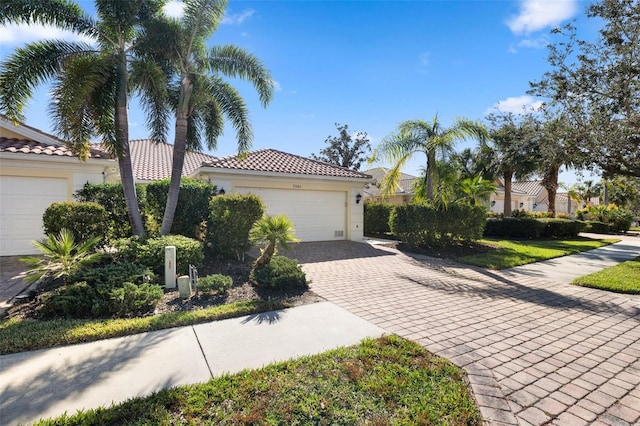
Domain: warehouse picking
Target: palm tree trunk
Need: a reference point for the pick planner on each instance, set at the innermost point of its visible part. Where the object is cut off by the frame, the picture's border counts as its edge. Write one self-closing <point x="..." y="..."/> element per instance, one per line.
<point x="431" y="172"/>
<point x="179" y="150"/>
<point x="264" y="258"/>
<point x="508" y="177"/>
<point x="550" y="182"/>
<point x="124" y="161"/>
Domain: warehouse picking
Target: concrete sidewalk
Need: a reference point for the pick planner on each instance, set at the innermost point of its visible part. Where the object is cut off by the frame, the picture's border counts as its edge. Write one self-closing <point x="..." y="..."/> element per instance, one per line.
<point x="565" y="269"/>
<point x="48" y="382"/>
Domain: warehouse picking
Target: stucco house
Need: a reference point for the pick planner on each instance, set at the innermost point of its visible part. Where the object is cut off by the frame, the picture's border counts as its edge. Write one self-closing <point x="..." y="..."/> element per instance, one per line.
<point x="404" y="189"/>
<point x="36" y="169"/>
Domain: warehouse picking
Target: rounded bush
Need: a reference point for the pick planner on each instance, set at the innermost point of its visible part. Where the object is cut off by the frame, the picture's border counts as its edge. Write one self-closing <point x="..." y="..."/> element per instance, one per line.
<point x="150" y="252"/>
<point x="73" y="301"/>
<point x="215" y="283"/>
<point x="84" y="220"/>
<point x="281" y="273"/>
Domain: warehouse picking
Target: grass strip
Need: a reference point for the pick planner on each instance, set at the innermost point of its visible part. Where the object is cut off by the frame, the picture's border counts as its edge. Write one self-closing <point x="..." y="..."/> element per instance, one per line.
<point x="384" y="381"/>
<point x="510" y="253"/>
<point x="24" y="335"/>
<point x="621" y="278"/>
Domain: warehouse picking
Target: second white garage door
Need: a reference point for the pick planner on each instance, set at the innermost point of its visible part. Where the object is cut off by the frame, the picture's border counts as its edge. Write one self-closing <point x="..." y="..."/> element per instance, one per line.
<point x="316" y="215"/>
<point x="23" y="200"/>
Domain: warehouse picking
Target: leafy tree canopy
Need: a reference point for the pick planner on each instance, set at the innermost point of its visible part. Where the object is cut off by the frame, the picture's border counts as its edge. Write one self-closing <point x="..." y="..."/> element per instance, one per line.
<point x="345" y="150"/>
<point x="597" y="84"/>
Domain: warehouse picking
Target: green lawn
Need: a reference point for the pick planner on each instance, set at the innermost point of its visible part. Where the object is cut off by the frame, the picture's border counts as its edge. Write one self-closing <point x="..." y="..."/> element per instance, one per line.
<point x="25" y="335"/>
<point x="378" y="382"/>
<point x="510" y="253"/>
<point x="622" y="278"/>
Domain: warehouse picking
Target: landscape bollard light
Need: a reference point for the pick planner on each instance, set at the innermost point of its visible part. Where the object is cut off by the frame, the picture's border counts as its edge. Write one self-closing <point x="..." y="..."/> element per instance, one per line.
<point x="170" y="267"/>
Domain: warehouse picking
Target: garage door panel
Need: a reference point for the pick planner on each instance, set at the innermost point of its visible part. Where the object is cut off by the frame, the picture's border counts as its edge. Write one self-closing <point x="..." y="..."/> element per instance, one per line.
<point x="23" y="201"/>
<point x="316" y="215"/>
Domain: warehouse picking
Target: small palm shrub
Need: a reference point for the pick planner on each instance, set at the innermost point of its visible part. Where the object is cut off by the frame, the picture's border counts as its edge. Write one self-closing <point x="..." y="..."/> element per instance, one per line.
<point x="281" y="273"/>
<point x="271" y="231"/>
<point x="61" y="257"/>
<point x="215" y="283"/>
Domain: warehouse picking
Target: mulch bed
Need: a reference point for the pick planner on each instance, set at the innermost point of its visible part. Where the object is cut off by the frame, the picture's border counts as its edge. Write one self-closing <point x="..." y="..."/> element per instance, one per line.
<point x="450" y="252"/>
<point x="171" y="302"/>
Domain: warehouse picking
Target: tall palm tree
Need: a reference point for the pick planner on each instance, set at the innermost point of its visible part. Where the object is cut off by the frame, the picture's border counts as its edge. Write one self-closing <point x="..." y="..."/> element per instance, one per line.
<point x="512" y="149"/>
<point x="184" y="77"/>
<point x="90" y="81"/>
<point x="417" y="136"/>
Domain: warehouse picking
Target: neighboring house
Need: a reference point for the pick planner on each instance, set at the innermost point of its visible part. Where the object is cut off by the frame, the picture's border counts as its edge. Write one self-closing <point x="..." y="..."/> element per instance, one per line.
<point x="323" y="201"/>
<point x="36" y="169"/>
<point x="533" y="197"/>
<point x="402" y="195"/>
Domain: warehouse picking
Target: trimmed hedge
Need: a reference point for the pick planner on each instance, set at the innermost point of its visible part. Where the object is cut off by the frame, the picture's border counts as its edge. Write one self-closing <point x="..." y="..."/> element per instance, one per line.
<point x="421" y="225"/>
<point x="376" y="218"/>
<point x="282" y="273"/>
<point x="192" y="210"/>
<point x="231" y="217"/>
<point x="150" y="252"/>
<point x="84" y="220"/>
<point x="529" y="229"/>
<point x="598" y="227"/>
<point x="111" y="197"/>
<point x="619" y="220"/>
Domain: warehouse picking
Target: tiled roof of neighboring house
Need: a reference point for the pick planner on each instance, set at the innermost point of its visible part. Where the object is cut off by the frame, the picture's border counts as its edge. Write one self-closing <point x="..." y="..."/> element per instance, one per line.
<point x="500" y="187"/>
<point x="531" y="188"/>
<point x="405" y="183"/>
<point x="22" y="146"/>
<point x="271" y="160"/>
<point x="152" y="160"/>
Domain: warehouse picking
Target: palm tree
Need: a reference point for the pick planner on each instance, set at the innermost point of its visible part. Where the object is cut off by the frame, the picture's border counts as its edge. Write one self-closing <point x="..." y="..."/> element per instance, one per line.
<point x="417" y="136"/>
<point x="62" y="256"/>
<point x="90" y="81"/>
<point x="476" y="189"/>
<point x="182" y="76"/>
<point x="512" y="149"/>
<point x="273" y="231"/>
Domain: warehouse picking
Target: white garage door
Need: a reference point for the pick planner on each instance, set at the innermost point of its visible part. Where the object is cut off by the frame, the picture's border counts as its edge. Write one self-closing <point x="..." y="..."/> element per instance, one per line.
<point x="316" y="215"/>
<point x="23" y="200"/>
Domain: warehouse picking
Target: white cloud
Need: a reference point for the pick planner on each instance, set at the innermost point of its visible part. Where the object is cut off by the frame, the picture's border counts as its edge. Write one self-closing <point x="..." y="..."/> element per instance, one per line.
<point x="424" y="58"/>
<point x="238" y="18"/>
<point x="276" y="86"/>
<point x="20" y="34"/>
<point x="516" y="105"/>
<point x="536" y="15"/>
<point x="174" y="8"/>
<point x="530" y="43"/>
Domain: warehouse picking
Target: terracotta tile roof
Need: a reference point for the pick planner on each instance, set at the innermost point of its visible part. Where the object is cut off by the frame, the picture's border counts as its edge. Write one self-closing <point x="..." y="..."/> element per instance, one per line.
<point x="152" y="160"/>
<point x="23" y="146"/>
<point x="531" y="188"/>
<point x="274" y="161"/>
<point x="405" y="184"/>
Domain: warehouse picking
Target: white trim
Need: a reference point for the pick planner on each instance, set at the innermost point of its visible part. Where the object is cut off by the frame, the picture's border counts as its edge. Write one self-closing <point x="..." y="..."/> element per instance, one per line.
<point x="30" y="133"/>
<point x="242" y="172"/>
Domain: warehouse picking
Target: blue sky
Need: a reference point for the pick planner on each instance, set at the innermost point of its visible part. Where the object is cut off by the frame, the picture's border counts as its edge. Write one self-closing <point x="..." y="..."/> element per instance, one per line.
<point x="370" y="64"/>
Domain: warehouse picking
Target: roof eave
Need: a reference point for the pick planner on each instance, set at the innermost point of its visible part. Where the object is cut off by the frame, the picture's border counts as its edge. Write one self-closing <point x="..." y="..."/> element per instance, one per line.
<point x="226" y="171"/>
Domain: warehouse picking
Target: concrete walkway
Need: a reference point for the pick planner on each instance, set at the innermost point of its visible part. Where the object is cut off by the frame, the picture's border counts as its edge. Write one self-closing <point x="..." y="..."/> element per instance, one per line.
<point x="48" y="382"/>
<point x="537" y="350"/>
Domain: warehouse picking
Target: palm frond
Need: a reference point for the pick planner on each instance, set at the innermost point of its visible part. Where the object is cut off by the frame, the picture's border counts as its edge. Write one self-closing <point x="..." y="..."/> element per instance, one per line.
<point x="151" y="83"/>
<point x="234" y="108"/>
<point x="201" y="18"/>
<point x="59" y="13"/>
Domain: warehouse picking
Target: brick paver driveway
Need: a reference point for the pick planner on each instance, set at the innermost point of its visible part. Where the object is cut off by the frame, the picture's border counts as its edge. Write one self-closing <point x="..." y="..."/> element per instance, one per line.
<point x="535" y="352"/>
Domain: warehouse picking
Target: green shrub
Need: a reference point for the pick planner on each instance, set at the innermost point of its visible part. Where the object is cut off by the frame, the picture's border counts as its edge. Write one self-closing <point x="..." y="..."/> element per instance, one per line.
<point x="376" y="218"/>
<point x="231" y="217"/>
<point x="134" y="300"/>
<point x="111" y="197"/>
<point x="516" y="228"/>
<point x="215" y="283"/>
<point x="282" y="273"/>
<point x="150" y="252"/>
<point x="597" y="227"/>
<point x="618" y="219"/>
<point x="115" y="274"/>
<point x="192" y="210"/>
<point x="561" y="228"/>
<point x="105" y="292"/>
<point x="84" y="220"/>
<point x="422" y="225"/>
<point x="72" y="301"/>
